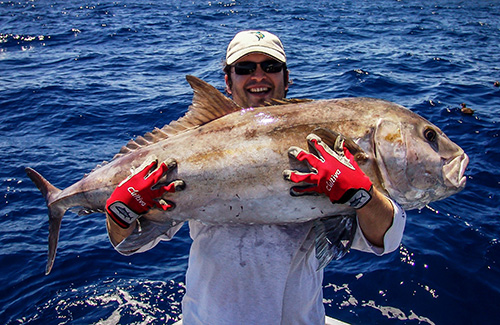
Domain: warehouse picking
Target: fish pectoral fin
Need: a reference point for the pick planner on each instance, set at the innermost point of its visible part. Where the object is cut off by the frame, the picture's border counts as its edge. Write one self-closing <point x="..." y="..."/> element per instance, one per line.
<point x="330" y="138"/>
<point x="333" y="237"/>
<point x="147" y="235"/>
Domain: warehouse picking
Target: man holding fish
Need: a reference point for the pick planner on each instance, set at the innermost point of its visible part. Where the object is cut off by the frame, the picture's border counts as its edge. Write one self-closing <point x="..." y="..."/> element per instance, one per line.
<point x="266" y="273"/>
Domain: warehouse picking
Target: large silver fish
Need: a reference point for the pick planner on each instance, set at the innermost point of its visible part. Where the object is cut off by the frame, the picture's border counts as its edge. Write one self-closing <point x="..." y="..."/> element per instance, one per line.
<point x="232" y="160"/>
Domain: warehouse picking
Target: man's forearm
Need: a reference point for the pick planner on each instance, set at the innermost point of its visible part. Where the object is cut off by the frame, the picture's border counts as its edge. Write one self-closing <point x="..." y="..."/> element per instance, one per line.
<point x="375" y="218"/>
<point x="116" y="233"/>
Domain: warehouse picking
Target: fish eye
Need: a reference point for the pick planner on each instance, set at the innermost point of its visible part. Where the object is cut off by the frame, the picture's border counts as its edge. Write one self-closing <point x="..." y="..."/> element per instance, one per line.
<point x="430" y="135"/>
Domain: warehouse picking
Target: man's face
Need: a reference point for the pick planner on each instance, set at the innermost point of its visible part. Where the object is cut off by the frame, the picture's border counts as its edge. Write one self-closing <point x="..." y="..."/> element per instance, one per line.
<point x="254" y="89"/>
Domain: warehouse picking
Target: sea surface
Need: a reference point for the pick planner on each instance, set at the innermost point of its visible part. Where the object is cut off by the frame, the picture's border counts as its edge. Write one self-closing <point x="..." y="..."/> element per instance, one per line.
<point x="78" y="79"/>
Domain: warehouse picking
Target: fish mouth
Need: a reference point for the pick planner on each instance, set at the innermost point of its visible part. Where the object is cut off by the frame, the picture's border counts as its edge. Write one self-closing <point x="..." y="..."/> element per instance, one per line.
<point x="453" y="171"/>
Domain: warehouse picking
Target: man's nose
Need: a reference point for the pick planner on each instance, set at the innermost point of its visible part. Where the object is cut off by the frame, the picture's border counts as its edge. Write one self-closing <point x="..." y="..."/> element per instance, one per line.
<point x="259" y="73"/>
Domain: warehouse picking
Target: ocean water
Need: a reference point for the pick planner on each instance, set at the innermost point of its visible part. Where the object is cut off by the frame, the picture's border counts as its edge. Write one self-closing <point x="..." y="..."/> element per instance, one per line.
<point x="78" y="79"/>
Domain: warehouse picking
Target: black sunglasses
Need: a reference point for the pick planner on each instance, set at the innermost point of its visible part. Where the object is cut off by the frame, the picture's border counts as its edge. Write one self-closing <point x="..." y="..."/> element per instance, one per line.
<point x="249" y="67"/>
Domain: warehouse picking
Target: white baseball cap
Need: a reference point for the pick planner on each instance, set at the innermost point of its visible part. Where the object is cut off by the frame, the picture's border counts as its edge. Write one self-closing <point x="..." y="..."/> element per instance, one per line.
<point x="252" y="41"/>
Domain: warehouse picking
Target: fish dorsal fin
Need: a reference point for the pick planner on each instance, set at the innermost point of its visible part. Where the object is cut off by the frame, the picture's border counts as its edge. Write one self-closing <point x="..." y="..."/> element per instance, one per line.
<point x="208" y="104"/>
<point x="285" y="101"/>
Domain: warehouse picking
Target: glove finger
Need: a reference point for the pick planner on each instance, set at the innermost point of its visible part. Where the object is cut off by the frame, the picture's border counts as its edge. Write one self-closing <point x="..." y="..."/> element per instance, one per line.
<point x="297" y="177"/>
<point x="312" y="144"/>
<point x="304" y="190"/>
<point x="162" y="170"/>
<point x="349" y="156"/>
<point x="338" y="152"/>
<point x="165" y="205"/>
<point x="146" y="169"/>
<point x="301" y="155"/>
<point x="175" y="186"/>
<point x="348" y="159"/>
<point x="322" y="148"/>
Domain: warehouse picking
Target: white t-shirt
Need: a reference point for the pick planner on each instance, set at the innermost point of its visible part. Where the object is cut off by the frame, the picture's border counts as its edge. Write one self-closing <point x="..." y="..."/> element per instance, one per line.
<point x="262" y="274"/>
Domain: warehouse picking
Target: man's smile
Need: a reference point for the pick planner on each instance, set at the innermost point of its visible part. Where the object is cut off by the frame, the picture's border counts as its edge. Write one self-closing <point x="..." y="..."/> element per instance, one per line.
<point x="259" y="90"/>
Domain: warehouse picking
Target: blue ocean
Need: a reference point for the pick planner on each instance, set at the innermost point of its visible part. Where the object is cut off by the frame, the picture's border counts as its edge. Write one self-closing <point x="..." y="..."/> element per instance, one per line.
<point x="78" y="79"/>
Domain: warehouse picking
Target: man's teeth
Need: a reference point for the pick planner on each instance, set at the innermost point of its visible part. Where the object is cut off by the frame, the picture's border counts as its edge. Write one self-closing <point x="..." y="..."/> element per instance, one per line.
<point x="258" y="90"/>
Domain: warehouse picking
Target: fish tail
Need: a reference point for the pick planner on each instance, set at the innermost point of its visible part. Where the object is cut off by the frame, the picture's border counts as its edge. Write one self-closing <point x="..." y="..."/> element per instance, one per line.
<point x="56" y="212"/>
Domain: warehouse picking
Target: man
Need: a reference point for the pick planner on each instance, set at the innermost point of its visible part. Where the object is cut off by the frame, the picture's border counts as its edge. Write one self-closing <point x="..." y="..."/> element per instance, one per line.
<point x="267" y="274"/>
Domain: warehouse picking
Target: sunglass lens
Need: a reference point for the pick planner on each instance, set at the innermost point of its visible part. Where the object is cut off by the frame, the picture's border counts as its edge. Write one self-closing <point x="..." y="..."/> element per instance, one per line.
<point x="248" y="67"/>
<point x="244" y="68"/>
<point x="271" y="66"/>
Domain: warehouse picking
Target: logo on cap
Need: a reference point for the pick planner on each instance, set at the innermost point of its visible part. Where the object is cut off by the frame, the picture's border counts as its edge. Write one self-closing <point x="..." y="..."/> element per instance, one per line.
<point x="259" y="35"/>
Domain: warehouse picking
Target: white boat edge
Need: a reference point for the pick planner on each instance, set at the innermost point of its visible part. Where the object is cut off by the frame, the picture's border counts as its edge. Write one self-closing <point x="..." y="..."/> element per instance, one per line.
<point x="328" y="321"/>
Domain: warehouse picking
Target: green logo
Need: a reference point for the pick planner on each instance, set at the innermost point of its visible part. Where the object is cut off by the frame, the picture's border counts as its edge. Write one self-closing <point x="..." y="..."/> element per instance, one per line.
<point x="259" y="35"/>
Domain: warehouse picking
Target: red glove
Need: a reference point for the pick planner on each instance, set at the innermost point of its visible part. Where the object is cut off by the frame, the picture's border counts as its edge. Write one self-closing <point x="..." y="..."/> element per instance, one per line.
<point x="333" y="172"/>
<point x="135" y="195"/>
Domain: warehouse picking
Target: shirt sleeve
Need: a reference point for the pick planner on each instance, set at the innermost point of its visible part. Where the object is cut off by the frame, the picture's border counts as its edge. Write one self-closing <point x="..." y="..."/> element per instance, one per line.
<point x="392" y="237"/>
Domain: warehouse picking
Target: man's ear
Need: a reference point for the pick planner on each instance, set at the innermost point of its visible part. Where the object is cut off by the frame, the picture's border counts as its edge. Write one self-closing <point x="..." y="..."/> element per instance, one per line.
<point x="288" y="81"/>
<point x="228" y="86"/>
